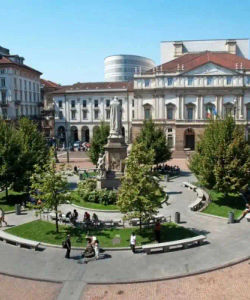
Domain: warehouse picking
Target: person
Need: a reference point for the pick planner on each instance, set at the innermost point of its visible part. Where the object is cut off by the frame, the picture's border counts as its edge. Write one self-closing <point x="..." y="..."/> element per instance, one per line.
<point x="68" y="246"/>
<point x="245" y="212"/>
<point x="69" y="214"/>
<point x="97" y="249"/>
<point x="74" y="216"/>
<point x="158" y="231"/>
<point x="94" y="218"/>
<point x="2" y="220"/>
<point x="39" y="202"/>
<point x="75" y="169"/>
<point x="133" y="242"/>
<point x="86" y="217"/>
<point x="89" y="250"/>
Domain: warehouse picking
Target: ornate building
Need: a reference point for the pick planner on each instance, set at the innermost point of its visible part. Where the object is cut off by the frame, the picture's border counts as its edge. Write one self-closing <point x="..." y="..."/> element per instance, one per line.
<point x="181" y="95"/>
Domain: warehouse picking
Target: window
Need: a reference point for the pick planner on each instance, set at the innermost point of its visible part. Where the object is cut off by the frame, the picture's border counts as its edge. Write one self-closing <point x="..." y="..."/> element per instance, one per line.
<point x="3" y="96"/>
<point x="84" y="114"/>
<point x="147" y="113"/>
<point x="30" y="85"/>
<point x="60" y="103"/>
<point x="229" y="79"/>
<point x="107" y="114"/>
<point x="133" y="103"/>
<point x="2" y="71"/>
<point x="96" y="114"/>
<point x="147" y="82"/>
<point x="190" y="80"/>
<point x="96" y="103"/>
<point x="248" y="79"/>
<point x="190" y="113"/>
<point x="25" y="84"/>
<point x="133" y="114"/>
<point x="170" y="141"/>
<point x="60" y="115"/>
<point x="73" y="104"/>
<point x="2" y="82"/>
<point x="73" y="114"/>
<point x="33" y="86"/>
<point x="16" y="95"/>
<point x="5" y="114"/>
<point x="25" y="96"/>
<point x="15" y="84"/>
<point x="120" y="101"/>
<point x="170" y="113"/>
<point x="209" y="80"/>
<point x="228" y="110"/>
<point x="20" y="84"/>
<point x="170" y="80"/>
<point x="84" y="103"/>
<point x="107" y="103"/>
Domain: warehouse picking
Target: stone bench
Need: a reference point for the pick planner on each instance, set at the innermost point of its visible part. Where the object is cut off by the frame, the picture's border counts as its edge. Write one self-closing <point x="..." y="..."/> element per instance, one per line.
<point x="196" y="204"/>
<point x="174" y="244"/>
<point x="200" y="193"/>
<point x="4" y="236"/>
<point x="189" y="185"/>
<point x="248" y="217"/>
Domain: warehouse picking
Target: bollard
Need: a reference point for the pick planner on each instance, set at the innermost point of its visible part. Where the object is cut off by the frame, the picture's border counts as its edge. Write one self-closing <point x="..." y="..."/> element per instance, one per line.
<point x="177" y="217"/>
<point x="230" y="217"/>
<point x="18" y="209"/>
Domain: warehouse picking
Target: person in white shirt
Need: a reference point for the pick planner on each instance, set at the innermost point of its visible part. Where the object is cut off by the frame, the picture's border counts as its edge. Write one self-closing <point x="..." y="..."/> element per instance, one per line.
<point x="133" y="242"/>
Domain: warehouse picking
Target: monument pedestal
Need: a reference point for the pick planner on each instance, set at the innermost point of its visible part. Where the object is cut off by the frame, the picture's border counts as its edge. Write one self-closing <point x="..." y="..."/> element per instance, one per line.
<point x="115" y="154"/>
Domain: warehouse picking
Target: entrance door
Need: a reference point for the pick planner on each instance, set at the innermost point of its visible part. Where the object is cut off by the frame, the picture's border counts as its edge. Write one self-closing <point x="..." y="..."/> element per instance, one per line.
<point x="189" y="139"/>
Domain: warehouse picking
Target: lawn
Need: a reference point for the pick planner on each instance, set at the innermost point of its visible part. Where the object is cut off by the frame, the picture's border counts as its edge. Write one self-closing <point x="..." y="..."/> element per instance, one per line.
<point x="13" y="198"/>
<point x="45" y="232"/>
<point x="76" y="199"/>
<point x="221" y="205"/>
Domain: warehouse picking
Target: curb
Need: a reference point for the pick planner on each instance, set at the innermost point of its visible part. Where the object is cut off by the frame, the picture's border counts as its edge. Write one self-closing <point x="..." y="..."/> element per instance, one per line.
<point x="213" y="216"/>
<point x="13" y="211"/>
<point x="93" y="209"/>
<point x="230" y="264"/>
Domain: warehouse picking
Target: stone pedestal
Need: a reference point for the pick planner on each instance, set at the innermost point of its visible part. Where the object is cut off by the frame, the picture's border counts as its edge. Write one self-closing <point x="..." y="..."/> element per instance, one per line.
<point x="115" y="154"/>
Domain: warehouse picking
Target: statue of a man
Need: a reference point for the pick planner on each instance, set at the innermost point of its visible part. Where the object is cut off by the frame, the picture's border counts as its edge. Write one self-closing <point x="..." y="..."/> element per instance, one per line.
<point x="115" y="118"/>
<point x="101" y="165"/>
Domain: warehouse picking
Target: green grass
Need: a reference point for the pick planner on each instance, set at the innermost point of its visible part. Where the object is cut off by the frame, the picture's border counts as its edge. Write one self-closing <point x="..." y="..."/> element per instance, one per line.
<point x="45" y="232"/>
<point x="13" y="198"/>
<point x="221" y="205"/>
<point x="76" y="199"/>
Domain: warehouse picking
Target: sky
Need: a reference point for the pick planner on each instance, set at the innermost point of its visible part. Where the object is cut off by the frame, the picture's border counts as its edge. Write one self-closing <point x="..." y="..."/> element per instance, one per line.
<point x="67" y="40"/>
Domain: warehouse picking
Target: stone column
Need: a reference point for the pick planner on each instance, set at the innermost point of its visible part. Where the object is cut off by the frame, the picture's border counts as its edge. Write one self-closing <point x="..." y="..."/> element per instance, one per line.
<point x="221" y="106"/>
<point x="217" y="104"/>
<point x="202" y="107"/>
<point x="198" y="107"/>
<point x="241" y="106"/>
<point x="183" y="108"/>
<point x="179" y="108"/>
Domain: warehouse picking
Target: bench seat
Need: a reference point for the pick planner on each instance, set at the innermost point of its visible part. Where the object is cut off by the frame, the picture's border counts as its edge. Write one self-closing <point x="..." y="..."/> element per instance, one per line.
<point x="196" y="204"/>
<point x="18" y="241"/>
<point x="189" y="185"/>
<point x="200" y="193"/>
<point x="167" y="245"/>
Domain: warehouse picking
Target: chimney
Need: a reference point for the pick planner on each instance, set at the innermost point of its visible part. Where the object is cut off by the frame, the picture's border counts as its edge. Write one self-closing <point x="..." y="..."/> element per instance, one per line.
<point x="178" y="49"/>
<point x="231" y="46"/>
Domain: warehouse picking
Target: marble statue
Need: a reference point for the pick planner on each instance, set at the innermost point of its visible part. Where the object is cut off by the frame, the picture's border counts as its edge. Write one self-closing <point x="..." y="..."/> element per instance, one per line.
<point x="101" y="165"/>
<point x="115" y="118"/>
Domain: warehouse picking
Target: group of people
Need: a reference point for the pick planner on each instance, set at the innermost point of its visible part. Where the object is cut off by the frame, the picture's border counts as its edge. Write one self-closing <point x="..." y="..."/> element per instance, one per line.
<point x="72" y="216"/>
<point x="92" y="248"/>
<point x="165" y="169"/>
<point x="87" y="219"/>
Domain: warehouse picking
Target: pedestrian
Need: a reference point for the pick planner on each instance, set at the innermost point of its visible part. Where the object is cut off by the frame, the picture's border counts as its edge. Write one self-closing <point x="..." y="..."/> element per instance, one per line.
<point x="133" y="242"/>
<point x="97" y="249"/>
<point x="158" y="231"/>
<point x="2" y="220"/>
<point x="68" y="246"/>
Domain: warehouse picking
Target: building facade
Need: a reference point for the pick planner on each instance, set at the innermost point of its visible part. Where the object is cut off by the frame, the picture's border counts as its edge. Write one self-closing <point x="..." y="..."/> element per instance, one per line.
<point x="80" y="108"/>
<point x="19" y="88"/>
<point x="181" y="95"/>
<point x="123" y="67"/>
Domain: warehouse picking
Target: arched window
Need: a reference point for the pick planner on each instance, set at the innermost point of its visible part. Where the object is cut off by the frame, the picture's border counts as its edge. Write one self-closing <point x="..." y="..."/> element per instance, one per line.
<point x="209" y="110"/>
<point x="147" y="112"/>
<point x="170" y="111"/>
<point x="190" y="111"/>
<point x="228" y="109"/>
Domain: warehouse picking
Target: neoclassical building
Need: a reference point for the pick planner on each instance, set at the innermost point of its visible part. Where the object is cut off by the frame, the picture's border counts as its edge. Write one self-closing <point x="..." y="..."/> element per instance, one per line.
<point x="181" y="95"/>
<point x="80" y="108"/>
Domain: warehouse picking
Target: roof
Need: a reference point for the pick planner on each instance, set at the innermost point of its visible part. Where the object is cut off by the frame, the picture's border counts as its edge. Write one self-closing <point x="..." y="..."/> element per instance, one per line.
<point x="191" y="61"/>
<point x="5" y="61"/>
<point x="95" y="86"/>
<point x="50" y="84"/>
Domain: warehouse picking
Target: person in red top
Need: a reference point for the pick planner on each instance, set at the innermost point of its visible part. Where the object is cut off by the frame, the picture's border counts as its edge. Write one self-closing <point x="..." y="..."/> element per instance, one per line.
<point x="157" y="231"/>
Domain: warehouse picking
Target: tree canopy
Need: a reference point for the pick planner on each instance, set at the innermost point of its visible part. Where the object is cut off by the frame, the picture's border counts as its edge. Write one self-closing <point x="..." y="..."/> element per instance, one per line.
<point x="139" y="194"/>
<point x="100" y="138"/>
<point x="222" y="158"/>
<point x="154" y="138"/>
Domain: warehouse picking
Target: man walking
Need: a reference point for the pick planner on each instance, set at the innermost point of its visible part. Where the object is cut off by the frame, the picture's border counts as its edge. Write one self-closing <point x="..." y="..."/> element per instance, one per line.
<point x="133" y="242"/>
<point x="68" y="246"/>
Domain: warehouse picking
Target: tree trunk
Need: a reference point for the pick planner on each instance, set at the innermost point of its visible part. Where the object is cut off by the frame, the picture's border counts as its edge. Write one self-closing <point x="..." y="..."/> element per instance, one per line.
<point x="140" y="223"/>
<point x="6" y="193"/>
<point x="57" y="228"/>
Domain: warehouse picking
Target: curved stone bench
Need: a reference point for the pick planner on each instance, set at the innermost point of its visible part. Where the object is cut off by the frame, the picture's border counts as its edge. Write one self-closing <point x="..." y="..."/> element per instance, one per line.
<point x="189" y="185"/>
<point x="248" y="217"/>
<point x="197" y="204"/>
<point x="174" y="244"/>
<point x="4" y="236"/>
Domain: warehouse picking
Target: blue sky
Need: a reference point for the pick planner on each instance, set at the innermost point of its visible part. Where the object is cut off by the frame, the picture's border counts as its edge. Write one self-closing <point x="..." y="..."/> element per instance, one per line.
<point x="67" y="40"/>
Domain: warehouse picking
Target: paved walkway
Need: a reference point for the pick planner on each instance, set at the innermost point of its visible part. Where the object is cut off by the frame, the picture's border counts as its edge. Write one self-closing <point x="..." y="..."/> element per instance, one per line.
<point x="226" y="243"/>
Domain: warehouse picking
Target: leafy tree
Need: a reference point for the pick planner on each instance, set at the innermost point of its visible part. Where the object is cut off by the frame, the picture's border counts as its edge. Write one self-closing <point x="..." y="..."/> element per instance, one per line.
<point x="9" y="155"/>
<point x="34" y="150"/>
<point x="154" y="138"/>
<point x="100" y="138"/>
<point x="139" y="194"/>
<point x="221" y="160"/>
<point x="49" y="185"/>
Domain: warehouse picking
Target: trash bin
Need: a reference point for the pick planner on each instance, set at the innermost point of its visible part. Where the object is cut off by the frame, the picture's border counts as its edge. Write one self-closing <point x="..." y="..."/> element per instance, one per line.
<point x="177" y="217"/>
<point x="18" y="209"/>
<point x="168" y="177"/>
<point x="230" y="217"/>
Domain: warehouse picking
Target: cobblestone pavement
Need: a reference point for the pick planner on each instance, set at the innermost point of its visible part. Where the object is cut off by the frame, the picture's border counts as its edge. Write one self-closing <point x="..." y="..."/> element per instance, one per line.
<point x="228" y="283"/>
<point x="12" y="288"/>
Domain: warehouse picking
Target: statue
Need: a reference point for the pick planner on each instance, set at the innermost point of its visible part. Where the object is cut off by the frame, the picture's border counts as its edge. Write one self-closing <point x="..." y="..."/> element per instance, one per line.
<point x="101" y="165"/>
<point x="115" y="118"/>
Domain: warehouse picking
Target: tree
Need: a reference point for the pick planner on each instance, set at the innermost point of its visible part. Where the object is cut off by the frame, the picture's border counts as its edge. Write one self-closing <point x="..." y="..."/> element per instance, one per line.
<point x="100" y="138"/>
<point x="139" y="194"/>
<point x="222" y="157"/>
<point x="154" y="138"/>
<point x="49" y="185"/>
<point x="34" y="150"/>
<point x="9" y="155"/>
